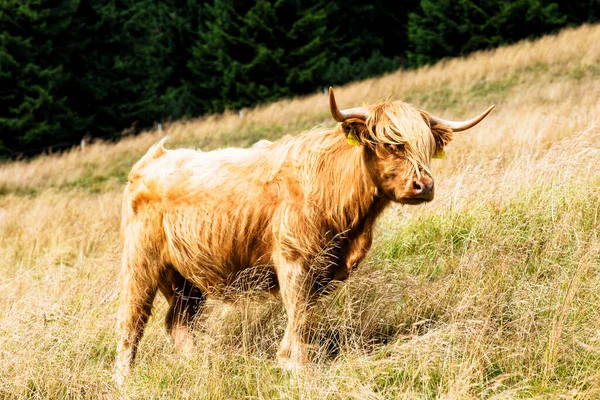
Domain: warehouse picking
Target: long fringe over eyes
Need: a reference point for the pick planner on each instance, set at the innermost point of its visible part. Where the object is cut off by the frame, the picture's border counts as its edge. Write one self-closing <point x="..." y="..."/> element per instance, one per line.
<point x="399" y="123"/>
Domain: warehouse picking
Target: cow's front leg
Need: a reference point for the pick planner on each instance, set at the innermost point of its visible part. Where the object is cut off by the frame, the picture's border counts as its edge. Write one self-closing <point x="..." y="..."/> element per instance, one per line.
<point x="296" y="288"/>
<point x="356" y="251"/>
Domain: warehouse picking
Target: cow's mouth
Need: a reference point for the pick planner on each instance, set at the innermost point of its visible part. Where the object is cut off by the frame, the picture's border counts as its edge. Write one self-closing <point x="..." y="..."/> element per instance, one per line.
<point x="414" y="201"/>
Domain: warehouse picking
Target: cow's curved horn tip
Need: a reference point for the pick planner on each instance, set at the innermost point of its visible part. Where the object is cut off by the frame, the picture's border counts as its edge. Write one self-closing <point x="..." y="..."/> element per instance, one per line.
<point x="489" y="110"/>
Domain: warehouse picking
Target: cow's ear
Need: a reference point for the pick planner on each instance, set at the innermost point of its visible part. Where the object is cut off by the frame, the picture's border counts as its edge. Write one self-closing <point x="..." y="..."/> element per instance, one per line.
<point x="442" y="134"/>
<point x="354" y="129"/>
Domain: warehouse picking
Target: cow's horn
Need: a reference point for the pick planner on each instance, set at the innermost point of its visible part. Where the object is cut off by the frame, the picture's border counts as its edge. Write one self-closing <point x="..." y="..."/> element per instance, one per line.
<point x="341" y="116"/>
<point x="458" y="126"/>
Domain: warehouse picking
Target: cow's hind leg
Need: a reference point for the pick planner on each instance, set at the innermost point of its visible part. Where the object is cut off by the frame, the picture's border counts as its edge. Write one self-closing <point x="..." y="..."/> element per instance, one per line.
<point x="185" y="303"/>
<point x="296" y="288"/>
<point x="139" y="286"/>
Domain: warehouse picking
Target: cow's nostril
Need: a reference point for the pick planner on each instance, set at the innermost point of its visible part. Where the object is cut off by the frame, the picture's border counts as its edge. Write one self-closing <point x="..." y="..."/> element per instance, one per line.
<point x="422" y="190"/>
<point x="418" y="186"/>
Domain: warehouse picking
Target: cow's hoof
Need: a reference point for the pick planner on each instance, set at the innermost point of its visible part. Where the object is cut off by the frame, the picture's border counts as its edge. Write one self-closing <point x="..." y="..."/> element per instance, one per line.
<point x="119" y="376"/>
<point x="183" y="340"/>
<point x="290" y="365"/>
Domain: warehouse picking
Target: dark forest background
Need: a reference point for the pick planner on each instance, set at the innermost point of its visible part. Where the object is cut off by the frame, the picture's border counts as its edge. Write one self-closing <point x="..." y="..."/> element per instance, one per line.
<point x="74" y="68"/>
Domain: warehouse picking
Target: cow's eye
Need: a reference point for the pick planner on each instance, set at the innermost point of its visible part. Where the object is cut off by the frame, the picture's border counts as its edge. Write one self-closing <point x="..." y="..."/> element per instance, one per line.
<point x="396" y="148"/>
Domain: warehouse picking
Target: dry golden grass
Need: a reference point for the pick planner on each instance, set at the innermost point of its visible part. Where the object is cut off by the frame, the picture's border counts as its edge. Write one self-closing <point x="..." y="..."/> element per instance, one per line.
<point x="490" y="291"/>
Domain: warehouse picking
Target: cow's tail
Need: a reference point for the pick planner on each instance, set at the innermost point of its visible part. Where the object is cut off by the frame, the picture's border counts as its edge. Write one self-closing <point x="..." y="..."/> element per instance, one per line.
<point x="157" y="150"/>
<point x="135" y="186"/>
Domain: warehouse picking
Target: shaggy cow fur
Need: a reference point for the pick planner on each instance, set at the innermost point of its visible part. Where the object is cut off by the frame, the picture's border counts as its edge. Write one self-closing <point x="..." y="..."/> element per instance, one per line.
<point x="289" y="217"/>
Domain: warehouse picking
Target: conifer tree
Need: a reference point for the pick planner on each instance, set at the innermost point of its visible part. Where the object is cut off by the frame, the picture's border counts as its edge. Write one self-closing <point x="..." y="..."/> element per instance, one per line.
<point x="449" y="28"/>
<point x="34" y="106"/>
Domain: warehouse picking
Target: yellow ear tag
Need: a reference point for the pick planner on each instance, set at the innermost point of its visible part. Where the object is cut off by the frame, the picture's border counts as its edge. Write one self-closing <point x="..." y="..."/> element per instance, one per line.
<point x="441" y="154"/>
<point x="352" y="140"/>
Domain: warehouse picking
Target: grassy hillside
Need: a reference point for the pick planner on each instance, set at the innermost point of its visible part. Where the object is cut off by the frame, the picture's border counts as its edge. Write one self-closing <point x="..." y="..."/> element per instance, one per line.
<point x="492" y="290"/>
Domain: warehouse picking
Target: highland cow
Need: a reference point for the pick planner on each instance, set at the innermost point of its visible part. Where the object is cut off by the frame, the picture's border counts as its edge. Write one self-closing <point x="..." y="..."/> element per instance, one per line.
<point x="289" y="216"/>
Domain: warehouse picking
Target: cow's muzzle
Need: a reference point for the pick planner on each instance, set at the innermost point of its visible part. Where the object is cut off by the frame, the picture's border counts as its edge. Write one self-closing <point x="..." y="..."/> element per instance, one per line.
<point x="423" y="190"/>
<point x="420" y="191"/>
